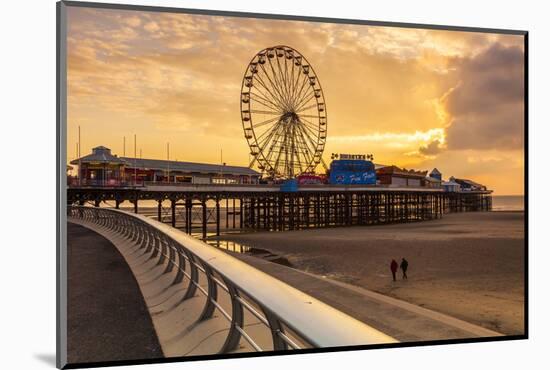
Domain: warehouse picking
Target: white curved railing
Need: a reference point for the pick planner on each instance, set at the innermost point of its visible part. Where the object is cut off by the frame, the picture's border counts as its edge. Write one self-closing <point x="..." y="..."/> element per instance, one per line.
<point x="295" y="319"/>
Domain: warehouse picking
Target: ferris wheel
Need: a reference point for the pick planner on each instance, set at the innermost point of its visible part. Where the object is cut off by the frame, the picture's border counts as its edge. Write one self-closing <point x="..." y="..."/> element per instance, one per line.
<point x="283" y="113"/>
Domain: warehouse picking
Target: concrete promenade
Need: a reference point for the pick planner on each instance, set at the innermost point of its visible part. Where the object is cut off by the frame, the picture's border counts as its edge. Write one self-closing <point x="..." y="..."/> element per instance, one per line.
<point x="121" y="307"/>
<point x="107" y="316"/>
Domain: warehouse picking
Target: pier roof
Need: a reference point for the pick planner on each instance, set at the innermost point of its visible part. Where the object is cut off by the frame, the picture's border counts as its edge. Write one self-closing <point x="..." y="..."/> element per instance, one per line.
<point x="163" y="165"/>
<point x="394" y="170"/>
<point x="99" y="154"/>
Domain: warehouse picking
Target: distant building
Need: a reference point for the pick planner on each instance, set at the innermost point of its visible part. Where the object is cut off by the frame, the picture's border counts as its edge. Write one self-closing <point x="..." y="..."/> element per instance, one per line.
<point x="101" y="168"/>
<point x="469" y="185"/>
<point x="451" y="185"/>
<point x="433" y="180"/>
<point x="156" y="170"/>
<point x="435" y="174"/>
<point x="352" y="172"/>
<point x="400" y="177"/>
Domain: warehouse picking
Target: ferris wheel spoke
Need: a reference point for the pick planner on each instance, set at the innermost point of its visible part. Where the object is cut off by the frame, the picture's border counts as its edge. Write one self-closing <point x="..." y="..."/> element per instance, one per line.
<point x="278" y="152"/>
<point x="271" y="103"/>
<point x="264" y="112"/>
<point x="273" y="84"/>
<point x="301" y="153"/>
<point x="313" y="131"/>
<point x="308" y="130"/>
<point x="305" y="100"/>
<point x="306" y="108"/>
<point x="273" y="93"/>
<point x="301" y="91"/>
<point x="282" y="78"/>
<point x="275" y="81"/>
<point x="291" y="80"/>
<point x="307" y="155"/>
<point x="275" y="148"/>
<point x="314" y="143"/>
<point x="295" y="81"/>
<point x="288" y="81"/>
<point x="260" y="140"/>
<point x="278" y="76"/>
<point x="263" y="123"/>
<point x="259" y="101"/>
<point x="297" y="86"/>
<point x="272" y="151"/>
<point x="308" y="116"/>
<point x="308" y="135"/>
<point x="272" y="136"/>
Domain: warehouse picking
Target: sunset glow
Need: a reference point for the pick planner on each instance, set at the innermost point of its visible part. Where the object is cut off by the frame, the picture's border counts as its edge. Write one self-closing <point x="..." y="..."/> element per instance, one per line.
<point x="412" y="97"/>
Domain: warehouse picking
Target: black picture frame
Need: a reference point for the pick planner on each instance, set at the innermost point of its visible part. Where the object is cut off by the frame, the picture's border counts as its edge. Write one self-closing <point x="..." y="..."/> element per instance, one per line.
<point x="61" y="188"/>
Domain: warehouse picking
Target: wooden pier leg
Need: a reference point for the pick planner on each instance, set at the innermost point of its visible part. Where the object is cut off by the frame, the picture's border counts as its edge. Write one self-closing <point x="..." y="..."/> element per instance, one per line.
<point x="306" y="210"/>
<point x="227" y="213"/>
<point x="136" y="205"/>
<point x="326" y="210"/>
<point x="188" y="215"/>
<point x="261" y="215"/>
<point x="159" y="211"/>
<point x="407" y="208"/>
<point x="280" y="225"/>
<point x="251" y="211"/>
<point x="117" y="204"/>
<point x="369" y="209"/>
<point x="217" y="217"/>
<point x="387" y="207"/>
<point x="173" y="206"/>
<point x="234" y="213"/>
<point x="203" y="204"/>
<point x="291" y="211"/>
<point x="266" y="214"/>
<point x="97" y="202"/>
<point x="240" y="213"/>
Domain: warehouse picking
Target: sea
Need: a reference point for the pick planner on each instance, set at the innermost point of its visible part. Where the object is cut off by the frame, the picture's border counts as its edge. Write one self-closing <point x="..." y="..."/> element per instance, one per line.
<point x="508" y="203"/>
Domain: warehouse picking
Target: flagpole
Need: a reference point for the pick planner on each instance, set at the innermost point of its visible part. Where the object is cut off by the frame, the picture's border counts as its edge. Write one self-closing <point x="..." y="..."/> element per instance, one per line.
<point x="124" y="155"/>
<point x="135" y="159"/>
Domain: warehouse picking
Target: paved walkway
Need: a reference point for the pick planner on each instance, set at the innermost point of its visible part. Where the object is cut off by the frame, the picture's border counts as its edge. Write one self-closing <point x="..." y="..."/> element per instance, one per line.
<point x="401" y="320"/>
<point x="107" y="316"/>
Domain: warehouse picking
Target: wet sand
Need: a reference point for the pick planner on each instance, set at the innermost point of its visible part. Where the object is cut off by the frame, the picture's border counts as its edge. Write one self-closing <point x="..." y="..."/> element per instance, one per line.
<point x="468" y="265"/>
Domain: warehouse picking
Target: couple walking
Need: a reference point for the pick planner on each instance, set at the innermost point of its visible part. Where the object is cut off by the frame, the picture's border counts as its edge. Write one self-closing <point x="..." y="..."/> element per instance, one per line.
<point x="404" y="265"/>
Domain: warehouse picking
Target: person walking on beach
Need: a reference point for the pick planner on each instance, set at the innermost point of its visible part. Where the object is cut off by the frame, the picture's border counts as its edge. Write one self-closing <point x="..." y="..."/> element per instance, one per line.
<point x="393" y="267"/>
<point x="404" y="266"/>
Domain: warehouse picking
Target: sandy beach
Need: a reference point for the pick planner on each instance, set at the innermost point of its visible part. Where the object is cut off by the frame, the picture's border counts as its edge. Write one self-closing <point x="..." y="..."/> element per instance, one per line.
<point x="468" y="265"/>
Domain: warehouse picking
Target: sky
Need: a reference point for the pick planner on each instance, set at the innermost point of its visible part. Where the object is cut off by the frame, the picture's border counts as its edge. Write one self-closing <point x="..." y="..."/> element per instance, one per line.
<point x="414" y="98"/>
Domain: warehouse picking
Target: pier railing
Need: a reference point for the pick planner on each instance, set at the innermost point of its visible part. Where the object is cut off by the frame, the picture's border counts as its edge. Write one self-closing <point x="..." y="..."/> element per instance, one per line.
<point x="294" y="319"/>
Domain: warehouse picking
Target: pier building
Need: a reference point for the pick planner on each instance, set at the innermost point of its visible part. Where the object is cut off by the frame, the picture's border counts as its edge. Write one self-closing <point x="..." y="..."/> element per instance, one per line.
<point x="469" y="185"/>
<point x="399" y="177"/>
<point x="102" y="168"/>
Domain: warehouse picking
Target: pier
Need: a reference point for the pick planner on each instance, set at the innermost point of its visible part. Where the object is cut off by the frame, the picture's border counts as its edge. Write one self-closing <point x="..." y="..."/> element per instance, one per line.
<point x="201" y="208"/>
